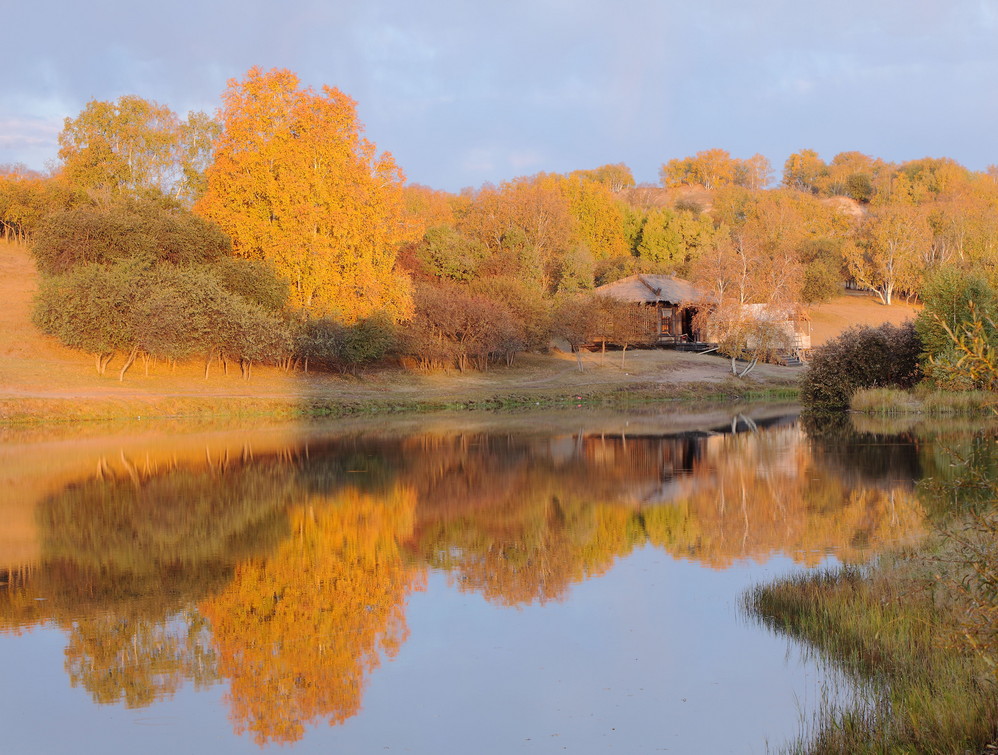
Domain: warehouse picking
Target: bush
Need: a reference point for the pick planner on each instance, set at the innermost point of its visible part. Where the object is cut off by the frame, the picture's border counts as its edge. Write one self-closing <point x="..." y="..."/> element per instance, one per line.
<point x="255" y="281"/>
<point x="127" y="228"/>
<point x="454" y="325"/>
<point x="167" y="312"/>
<point x="861" y="357"/>
<point x="330" y="345"/>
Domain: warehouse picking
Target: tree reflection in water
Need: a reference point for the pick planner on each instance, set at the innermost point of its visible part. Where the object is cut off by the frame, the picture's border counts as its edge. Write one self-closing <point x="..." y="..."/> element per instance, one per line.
<point x="287" y="575"/>
<point x="298" y="631"/>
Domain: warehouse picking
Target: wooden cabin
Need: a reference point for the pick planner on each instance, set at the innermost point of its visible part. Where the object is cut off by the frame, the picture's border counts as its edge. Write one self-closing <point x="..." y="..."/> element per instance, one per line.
<point x="672" y="297"/>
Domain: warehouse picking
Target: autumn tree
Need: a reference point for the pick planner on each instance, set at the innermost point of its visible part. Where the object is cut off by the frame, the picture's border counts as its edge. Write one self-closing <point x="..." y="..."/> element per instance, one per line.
<point x="920" y="181"/>
<point x="747" y="332"/>
<point x="804" y="171"/>
<point x="26" y="198"/>
<point x="525" y="224"/>
<point x="854" y="175"/>
<point x="197" y="151"/>
<point x="752" y="277"/>
<point x="887" y="257"/>
<point x="455" y="325"/>
<point x="597" y="217"/>
<point x="615" y="177"/>
<point x="574" y="318"/>
<point x="134" y="145"/>
<point x="822" y="274"/>
<point x="298" y="633"/>
<point x="711" y="168"/>
<point x="754" y="173"/>
<point x="295" y="183"/>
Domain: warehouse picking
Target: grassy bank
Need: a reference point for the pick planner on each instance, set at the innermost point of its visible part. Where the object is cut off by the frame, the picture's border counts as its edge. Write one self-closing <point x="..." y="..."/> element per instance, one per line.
<point x="916" y="634"/>
<point x="890" y="401"/>
<point x="19" y="411"/>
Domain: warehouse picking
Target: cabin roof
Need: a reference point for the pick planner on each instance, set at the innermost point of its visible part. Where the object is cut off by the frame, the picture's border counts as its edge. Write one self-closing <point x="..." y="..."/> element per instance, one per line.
<point x="649" y="289"/>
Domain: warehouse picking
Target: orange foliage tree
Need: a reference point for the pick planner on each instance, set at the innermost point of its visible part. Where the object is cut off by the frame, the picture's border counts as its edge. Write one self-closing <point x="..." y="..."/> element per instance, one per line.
<point x="295" y="183"/>
<point x="298" y="632"/>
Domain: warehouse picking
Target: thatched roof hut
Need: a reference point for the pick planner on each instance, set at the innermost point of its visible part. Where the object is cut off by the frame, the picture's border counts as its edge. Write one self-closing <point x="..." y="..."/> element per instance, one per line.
<point x="670" y="295"/>
<point x="651" y="289"/>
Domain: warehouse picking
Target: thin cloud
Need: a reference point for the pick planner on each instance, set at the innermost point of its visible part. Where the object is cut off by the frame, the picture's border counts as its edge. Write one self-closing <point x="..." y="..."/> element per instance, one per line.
<point x="463" y="93"/>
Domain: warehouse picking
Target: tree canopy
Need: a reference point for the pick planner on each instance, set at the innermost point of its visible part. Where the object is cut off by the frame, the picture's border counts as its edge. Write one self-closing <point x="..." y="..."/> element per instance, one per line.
<point x="134" y="145"/>
<point x="296" y="184"/>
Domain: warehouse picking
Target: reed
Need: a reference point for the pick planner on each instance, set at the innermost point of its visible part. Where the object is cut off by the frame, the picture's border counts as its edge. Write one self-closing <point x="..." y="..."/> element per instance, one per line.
<point x="890" y="401"/>
<point x="902" y="632"/>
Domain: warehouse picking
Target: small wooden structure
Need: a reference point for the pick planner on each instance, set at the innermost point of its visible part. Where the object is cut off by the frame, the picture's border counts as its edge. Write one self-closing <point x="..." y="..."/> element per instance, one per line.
<point x="671" y="296"/>
<point x="792" y="322"/>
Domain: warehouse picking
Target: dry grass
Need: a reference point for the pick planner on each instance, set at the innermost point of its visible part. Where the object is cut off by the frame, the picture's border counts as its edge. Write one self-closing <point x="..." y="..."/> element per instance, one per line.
<point x="892" y="401"/>
<point x="854" y="308"/>
<point x="897" y="631"/>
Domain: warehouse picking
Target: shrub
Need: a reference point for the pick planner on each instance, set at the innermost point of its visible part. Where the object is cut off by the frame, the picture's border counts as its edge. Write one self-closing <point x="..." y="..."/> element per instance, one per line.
<point x="126" y="228"/>
<point x="330" y="345"/>
<point x="254" y="280"/>
<point x="957" y="329"/>
<point x="167" y="312"/>
<point x="454" y="325"/>
<point x="861" y="357"/>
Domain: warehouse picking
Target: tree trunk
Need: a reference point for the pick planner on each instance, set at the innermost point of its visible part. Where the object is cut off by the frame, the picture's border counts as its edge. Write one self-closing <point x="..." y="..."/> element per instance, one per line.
<point x="750" y="367"/>
<point x="102" y="361"/>
<point x="128" y="363"/>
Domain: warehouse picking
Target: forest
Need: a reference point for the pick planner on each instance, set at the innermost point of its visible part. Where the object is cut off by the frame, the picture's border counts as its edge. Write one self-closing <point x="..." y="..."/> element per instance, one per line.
<point x="274" y="233"/>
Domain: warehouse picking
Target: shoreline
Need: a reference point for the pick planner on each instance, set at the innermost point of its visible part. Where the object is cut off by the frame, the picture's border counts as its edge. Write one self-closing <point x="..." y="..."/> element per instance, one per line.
<point x="39" y="408"/>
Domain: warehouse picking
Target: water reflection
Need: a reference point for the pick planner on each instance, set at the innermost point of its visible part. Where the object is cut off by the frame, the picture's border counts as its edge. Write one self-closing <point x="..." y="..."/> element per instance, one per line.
<point x="285" y="573"/>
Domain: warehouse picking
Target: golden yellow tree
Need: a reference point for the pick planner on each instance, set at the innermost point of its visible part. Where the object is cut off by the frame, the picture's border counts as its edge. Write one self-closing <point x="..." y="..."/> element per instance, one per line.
<point x="893" y="245"/>
<point x="295" y="183"/>
<point x="710" y="168"/>
<point x="297" y="633"/>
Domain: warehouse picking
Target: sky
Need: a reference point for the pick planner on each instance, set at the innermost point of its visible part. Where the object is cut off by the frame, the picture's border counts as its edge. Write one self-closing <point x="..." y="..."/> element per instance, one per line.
<point x="464" y="92"/>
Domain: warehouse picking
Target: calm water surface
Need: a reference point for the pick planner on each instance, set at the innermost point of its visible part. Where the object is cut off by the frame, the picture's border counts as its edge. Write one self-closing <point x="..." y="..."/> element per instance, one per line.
<point x="432" y="586"/>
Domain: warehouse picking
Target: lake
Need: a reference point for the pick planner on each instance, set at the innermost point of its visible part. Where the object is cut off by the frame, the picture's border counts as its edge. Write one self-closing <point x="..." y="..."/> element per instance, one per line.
<point x="467" y="583"/>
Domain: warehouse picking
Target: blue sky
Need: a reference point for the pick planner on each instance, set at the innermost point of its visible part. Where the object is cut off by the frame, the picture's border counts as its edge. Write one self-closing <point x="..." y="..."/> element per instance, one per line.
<point x="465" y="92"/>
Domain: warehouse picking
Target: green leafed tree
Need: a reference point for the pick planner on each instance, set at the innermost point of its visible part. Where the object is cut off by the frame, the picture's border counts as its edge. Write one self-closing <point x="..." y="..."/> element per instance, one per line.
<point x="957" y="329"/>
<point x="133" y="146"/>
<point x="159" y="230"/>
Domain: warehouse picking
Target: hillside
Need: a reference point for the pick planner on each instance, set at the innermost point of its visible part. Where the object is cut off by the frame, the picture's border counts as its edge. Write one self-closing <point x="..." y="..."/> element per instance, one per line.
<point x="854" y="308"/>
<point x="39" y="377"/>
